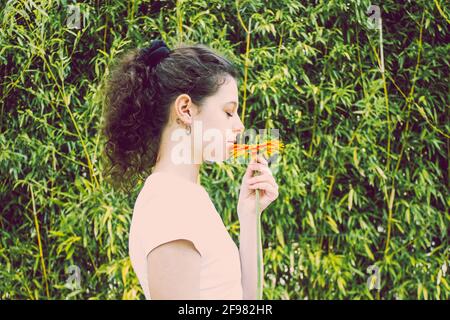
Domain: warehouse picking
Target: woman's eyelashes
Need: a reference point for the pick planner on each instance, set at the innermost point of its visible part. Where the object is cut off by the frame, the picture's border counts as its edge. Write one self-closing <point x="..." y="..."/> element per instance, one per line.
<point x="229" y="114"/>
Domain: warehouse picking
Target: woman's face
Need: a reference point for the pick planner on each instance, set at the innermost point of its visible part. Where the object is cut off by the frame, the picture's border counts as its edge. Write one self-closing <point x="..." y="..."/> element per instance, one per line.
<point x="219" y="122"/>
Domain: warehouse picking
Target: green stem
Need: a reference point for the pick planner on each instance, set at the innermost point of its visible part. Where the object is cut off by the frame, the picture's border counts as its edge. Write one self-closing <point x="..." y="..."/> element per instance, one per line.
<point x="41" y="254"/>
<point x="258" y="249"/>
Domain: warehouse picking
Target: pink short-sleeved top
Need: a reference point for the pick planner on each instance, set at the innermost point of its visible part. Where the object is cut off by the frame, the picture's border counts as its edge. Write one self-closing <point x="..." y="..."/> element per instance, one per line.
<point x="169" y="207"/>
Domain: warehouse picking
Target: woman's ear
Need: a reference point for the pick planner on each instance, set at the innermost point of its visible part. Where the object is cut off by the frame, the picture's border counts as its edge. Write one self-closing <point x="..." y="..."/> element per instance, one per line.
<point x="183" y="108"/>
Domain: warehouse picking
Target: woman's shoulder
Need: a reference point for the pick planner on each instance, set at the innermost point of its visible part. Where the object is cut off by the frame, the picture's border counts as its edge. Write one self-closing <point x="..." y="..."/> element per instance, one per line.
<point x="171" y="183"/>
<point x="171" y="195"/>
<point x="166" y="206"/>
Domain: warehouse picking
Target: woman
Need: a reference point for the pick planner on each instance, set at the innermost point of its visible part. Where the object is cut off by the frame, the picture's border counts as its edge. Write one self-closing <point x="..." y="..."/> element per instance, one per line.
<point x="160" y="102"/>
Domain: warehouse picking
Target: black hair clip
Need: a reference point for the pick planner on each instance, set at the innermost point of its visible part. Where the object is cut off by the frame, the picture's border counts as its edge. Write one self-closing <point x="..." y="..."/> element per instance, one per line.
<point x="155" y="53"/>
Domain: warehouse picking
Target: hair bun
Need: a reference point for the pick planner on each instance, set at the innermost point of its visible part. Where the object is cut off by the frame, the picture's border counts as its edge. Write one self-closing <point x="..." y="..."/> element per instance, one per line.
<point x="155" y="53"/>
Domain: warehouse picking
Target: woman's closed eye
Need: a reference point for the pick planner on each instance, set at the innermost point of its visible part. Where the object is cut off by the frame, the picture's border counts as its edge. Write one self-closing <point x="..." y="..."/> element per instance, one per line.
<point x="229" y="114"/>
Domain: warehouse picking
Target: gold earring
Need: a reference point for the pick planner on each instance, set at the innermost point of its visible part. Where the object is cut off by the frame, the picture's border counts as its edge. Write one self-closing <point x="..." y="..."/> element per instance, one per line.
<point x="188" y="128"/>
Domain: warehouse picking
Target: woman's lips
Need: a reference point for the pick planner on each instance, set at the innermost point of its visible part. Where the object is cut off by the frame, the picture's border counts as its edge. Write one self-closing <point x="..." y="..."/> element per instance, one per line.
<point x="230" y="144"/>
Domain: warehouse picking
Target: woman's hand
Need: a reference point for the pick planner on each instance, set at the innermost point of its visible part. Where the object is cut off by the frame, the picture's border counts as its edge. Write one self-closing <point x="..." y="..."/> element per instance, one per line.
<point x="265" y="182"/>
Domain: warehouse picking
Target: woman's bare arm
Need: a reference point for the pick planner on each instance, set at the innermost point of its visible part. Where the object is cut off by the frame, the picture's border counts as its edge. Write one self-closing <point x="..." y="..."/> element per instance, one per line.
<point x="173" y="271"/>
<point x="248" y="254"/>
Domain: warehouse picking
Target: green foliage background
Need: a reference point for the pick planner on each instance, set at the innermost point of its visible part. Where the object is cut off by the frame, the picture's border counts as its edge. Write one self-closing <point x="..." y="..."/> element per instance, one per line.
<point x="363" y="181"/>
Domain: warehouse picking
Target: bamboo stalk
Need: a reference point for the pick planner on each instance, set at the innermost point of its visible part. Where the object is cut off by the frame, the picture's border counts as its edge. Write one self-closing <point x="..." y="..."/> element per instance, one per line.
<point x="247" y="52"/>
<point x="83" y="144"/>
<point x="441" y="11"/>
<point x="41" y="255"/>
<point x="408" y="103"/>
<point x="179" y="19"/>
<point x="386" y="98"/>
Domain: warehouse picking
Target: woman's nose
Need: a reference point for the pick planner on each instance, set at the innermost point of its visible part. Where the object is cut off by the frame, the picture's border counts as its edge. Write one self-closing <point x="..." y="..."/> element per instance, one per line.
<point x="240" y="127"/>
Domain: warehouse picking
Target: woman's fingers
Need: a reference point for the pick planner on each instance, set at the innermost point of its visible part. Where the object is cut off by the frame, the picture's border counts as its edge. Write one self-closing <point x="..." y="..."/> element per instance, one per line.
<point x="260" y="167"/>
<point x="262" y="160"/>
<point x="263" y="178"/>
<point x="267" y="187"/>
<point x="257" y="164"/>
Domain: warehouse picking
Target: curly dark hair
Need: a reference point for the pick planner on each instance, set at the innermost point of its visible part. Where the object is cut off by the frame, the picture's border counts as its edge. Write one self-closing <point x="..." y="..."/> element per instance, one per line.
<point x="138" y="100"/>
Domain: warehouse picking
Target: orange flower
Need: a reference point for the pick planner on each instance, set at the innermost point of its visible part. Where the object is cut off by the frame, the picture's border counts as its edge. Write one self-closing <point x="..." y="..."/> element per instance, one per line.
<point x="271" y="147"/>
